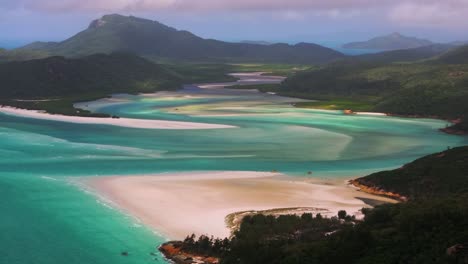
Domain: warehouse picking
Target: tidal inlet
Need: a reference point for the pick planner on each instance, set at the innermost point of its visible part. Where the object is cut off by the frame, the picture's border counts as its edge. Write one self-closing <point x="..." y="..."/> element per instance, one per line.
<point x="233" y="132"/>
<point x="195" y="157"/>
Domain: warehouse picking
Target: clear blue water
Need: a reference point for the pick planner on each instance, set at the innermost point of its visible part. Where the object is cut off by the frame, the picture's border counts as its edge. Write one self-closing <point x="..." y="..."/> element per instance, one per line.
<point x="46" y="219"/>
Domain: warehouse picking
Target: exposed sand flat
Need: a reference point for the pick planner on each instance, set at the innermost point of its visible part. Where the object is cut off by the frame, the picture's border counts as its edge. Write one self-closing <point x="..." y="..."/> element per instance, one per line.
<point x="121" y="122"/>
<point x="371" y="113"/>
<point x="180" y="204"/>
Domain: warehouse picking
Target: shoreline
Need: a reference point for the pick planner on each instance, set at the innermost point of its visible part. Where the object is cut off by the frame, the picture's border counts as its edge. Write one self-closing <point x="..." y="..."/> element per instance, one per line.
<point x="119" y="122"/>
<point x="203" y="203"/>
<point x="377" y="191"/>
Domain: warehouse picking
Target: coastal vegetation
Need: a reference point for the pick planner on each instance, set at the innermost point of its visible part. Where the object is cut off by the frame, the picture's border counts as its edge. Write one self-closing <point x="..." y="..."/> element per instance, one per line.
<point x="55" y="83"/>
<point x="440" y="174"/>
<point x="430" y="227"/>
<point x="433" y="88"/>
<point x="337" y="104"/>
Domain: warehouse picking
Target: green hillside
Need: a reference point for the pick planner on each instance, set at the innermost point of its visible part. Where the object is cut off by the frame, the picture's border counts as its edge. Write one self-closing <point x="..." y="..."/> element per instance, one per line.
<point x="429" y="88"/>
<point x="63" y="81"/>
<point x="438" y="175"/>
<point x="157" y="41"/>
<point x="404" y="55"/>
<point x="21" y="55"/>
<point x="455" y="56"/>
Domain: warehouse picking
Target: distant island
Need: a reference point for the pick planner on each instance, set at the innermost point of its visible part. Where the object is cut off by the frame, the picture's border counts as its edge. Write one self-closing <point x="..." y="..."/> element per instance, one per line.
<point x="394" y="41"/>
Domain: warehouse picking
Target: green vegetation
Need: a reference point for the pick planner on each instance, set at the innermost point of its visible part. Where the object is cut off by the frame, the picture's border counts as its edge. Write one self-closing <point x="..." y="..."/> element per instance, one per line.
<point x="337" y="105"/>
<point x="440" y="174"/>
<point x="202" y="72"/>
<point x="429" y="88"/>
<point x="455" y="56"/>
<point x="20" y="55"/>
<point x="412" y="232"/>
<point x="215" y="72"/>
<point x="404" y="55"/>
<point x="418" y="231"/>
<point x="154" y="40"/>
<point x="54" y="83"/>
<point x="58" y="105"/>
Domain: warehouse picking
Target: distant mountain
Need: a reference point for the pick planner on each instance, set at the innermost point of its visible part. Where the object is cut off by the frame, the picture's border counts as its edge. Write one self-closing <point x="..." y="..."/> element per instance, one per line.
<point x="394" y="41"/>
<point x="98" y="74"/>
<point x="260" y="42"/>
<point x="406" y="55"/>
<point x="155" y="40"/>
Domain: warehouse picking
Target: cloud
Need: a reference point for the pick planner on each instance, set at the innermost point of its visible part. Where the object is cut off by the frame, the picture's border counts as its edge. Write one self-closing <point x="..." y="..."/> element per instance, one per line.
<point x="431" y="13"/>
<point x="185" y="5"/>
<point x="400" y="12"/>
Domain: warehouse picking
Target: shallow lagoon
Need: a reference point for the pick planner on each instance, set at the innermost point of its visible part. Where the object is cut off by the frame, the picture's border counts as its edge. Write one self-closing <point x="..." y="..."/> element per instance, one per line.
<point x="46" y="219"/>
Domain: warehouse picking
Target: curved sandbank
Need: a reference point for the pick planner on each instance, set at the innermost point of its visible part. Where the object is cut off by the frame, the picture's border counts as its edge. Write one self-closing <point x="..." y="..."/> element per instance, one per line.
<point x="120" y="122"/>
<point x="179" y="204"/>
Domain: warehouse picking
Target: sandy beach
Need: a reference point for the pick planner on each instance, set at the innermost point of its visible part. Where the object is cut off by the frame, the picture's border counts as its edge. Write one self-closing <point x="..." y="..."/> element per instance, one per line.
<point x="121" y="122"/>
<point x="180" y="204"/>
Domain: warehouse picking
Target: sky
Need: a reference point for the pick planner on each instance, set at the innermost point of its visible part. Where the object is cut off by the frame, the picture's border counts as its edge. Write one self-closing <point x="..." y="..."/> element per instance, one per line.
<point x="325" y="22"/>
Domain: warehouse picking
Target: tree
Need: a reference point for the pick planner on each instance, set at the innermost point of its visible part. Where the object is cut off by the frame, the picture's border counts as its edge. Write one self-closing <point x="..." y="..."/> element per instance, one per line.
<point x="342" y="214"/>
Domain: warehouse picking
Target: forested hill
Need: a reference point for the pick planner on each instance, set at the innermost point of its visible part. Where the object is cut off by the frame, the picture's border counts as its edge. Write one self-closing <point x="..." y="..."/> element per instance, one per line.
<point x="435" y="88"/>
<point x="96" y="74"/>
<point x="437" y="175"/>
<point x="455" y="56"/>
<point x="154" y="40"/>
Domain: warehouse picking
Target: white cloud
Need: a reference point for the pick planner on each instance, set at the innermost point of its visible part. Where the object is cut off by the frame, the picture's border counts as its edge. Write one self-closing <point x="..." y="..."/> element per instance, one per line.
<point x="194" y="5"/>
<point x="431" y="13"/>
<point x="403" y="12"/>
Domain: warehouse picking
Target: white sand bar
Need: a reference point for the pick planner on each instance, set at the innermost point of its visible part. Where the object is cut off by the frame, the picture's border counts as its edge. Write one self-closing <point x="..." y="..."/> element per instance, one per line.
<point x="121" y="122"/>
<point x="180" y="204"/>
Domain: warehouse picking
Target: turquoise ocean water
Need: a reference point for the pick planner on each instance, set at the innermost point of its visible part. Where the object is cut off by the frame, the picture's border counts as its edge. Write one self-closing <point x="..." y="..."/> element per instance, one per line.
<point x="46" y="219"/>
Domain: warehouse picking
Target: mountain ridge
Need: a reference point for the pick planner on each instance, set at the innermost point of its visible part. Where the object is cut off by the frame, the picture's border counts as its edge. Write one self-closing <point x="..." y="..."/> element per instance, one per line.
<point x="394" y="41"/>
<point x="153" y="39"/>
